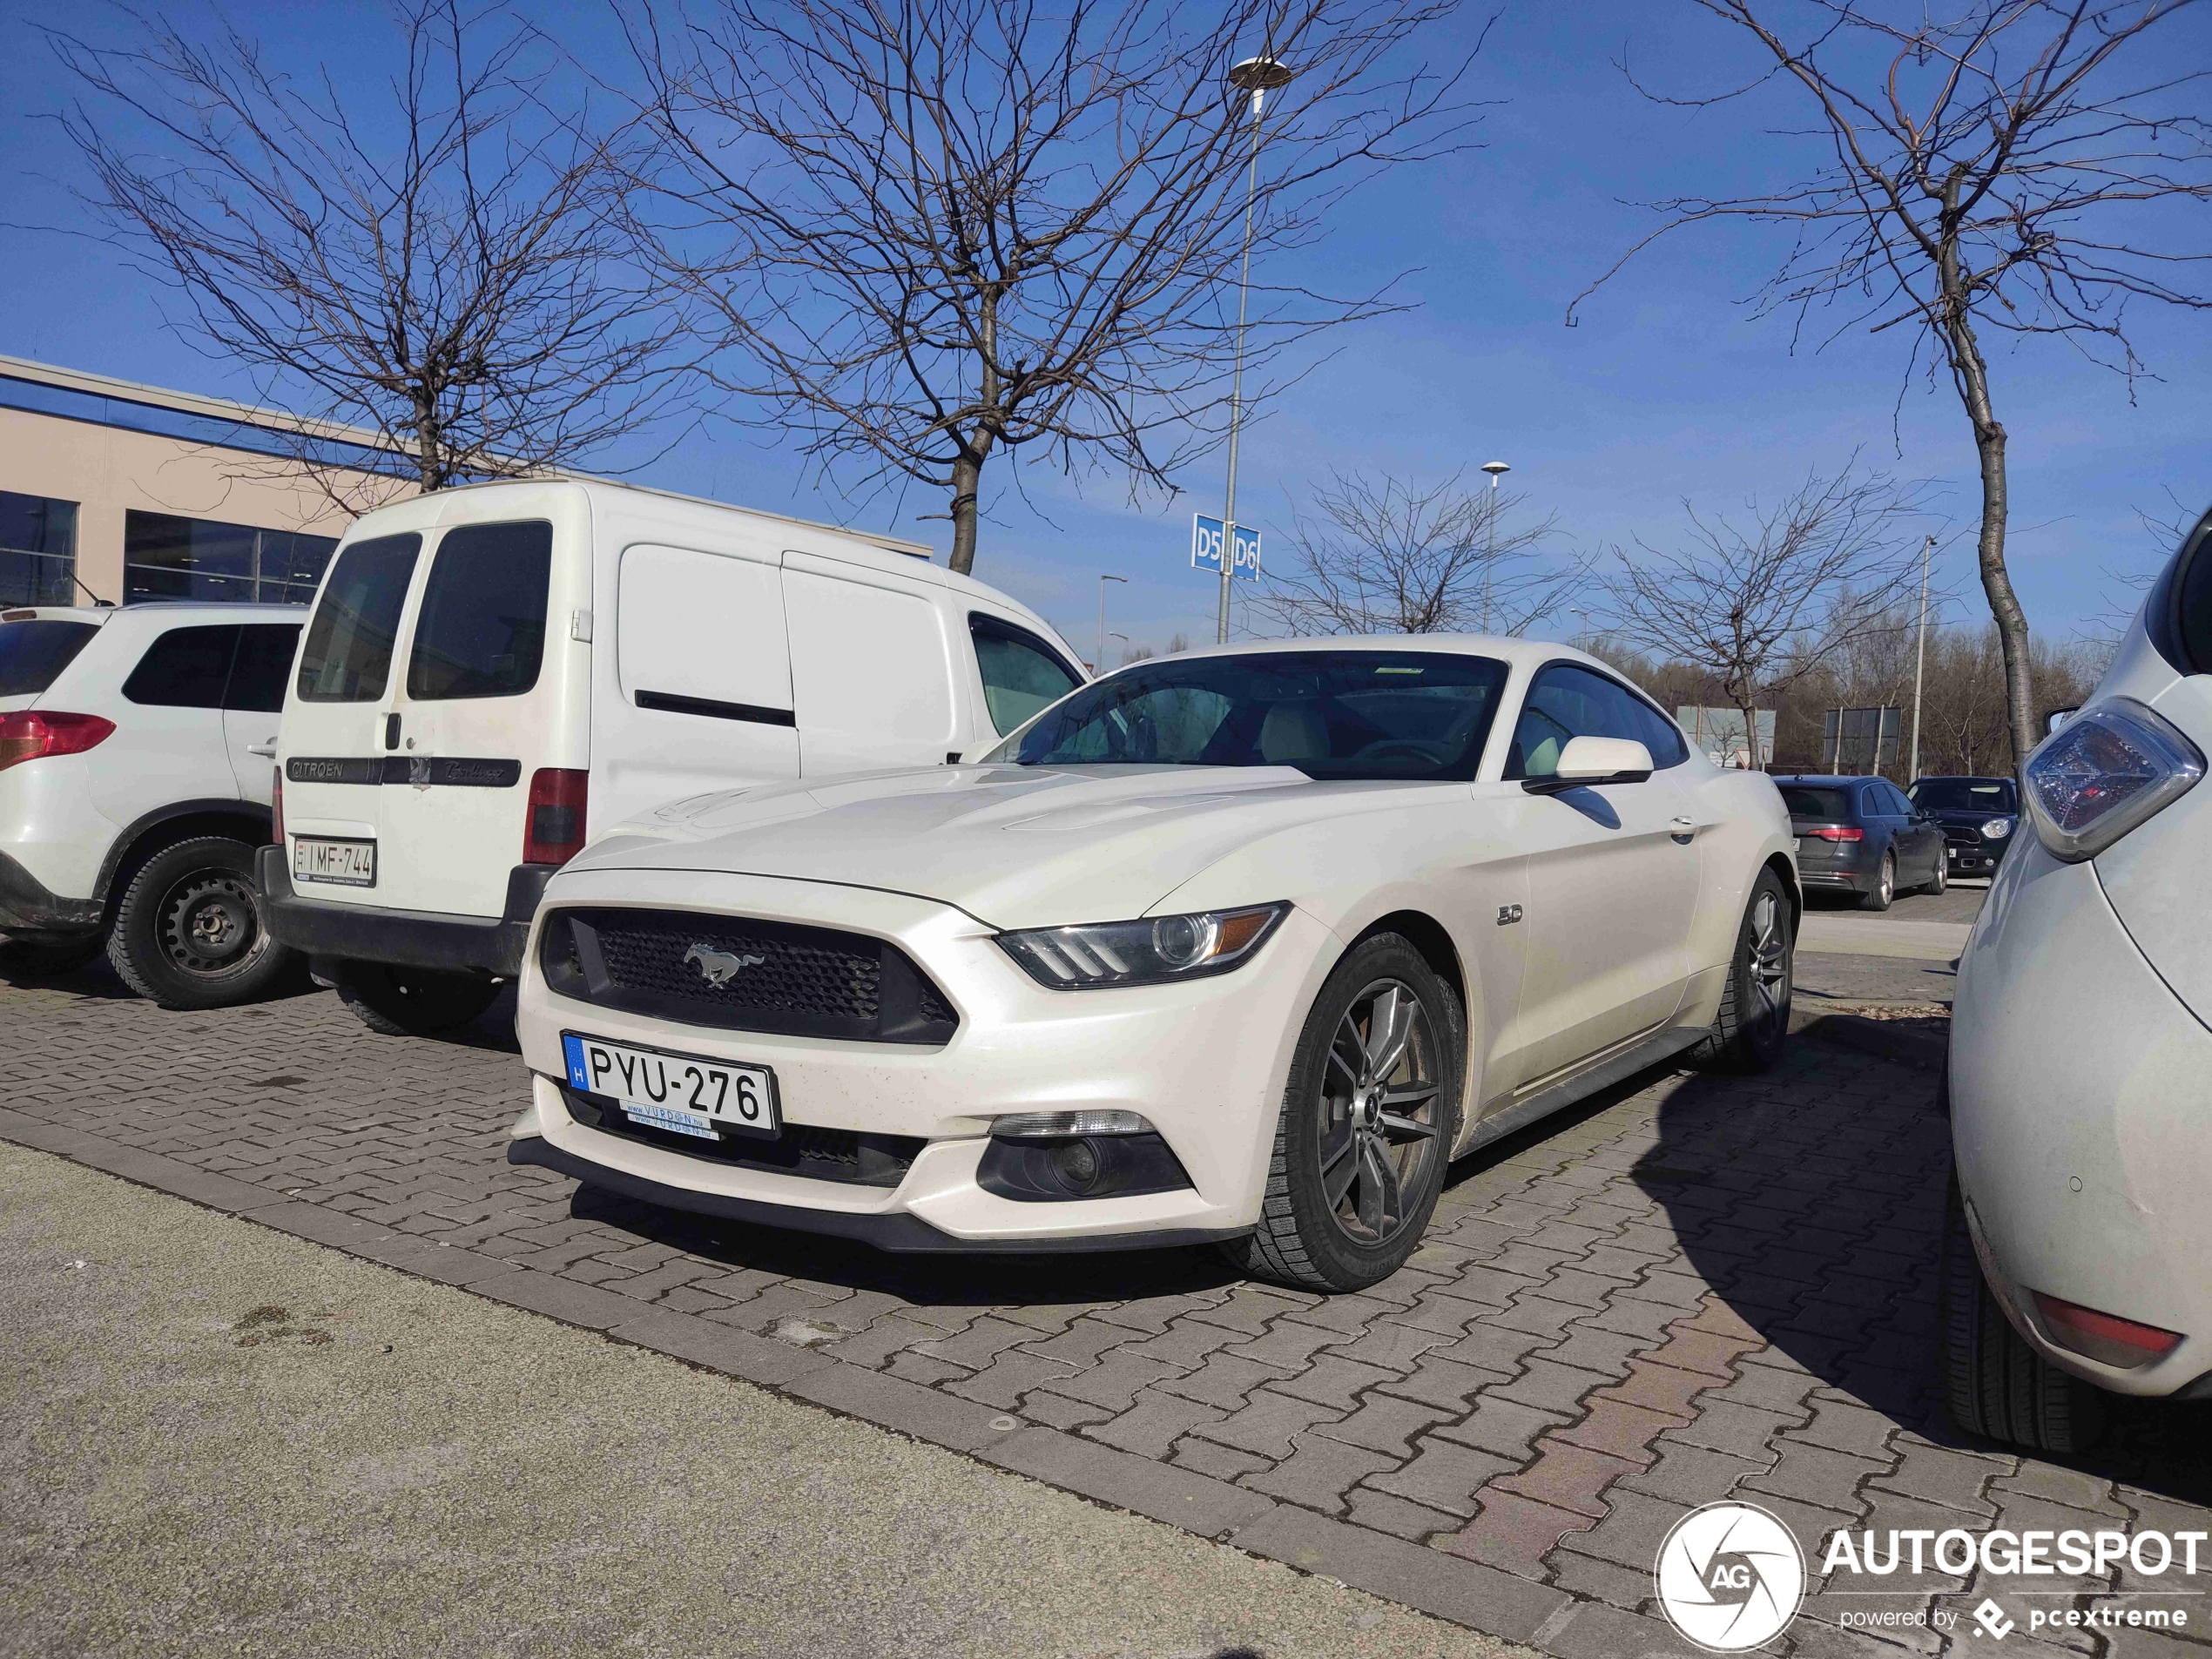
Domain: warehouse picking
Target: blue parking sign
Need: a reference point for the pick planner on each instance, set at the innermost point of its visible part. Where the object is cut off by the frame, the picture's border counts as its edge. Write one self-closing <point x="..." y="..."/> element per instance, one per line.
<point x="1205" y="548"/>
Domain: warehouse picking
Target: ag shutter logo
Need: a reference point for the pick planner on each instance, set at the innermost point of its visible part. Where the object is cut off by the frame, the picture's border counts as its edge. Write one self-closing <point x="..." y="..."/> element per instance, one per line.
<point x="1730" y="1576"/>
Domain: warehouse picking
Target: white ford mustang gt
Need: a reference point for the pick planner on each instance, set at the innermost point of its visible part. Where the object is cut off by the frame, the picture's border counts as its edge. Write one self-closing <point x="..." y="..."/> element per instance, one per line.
<point x="1239" y="946"/>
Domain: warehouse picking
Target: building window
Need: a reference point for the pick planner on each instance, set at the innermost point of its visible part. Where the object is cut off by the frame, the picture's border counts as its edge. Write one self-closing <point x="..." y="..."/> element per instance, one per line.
<point x="37" y="550"/>
<point x="164" y="557"/>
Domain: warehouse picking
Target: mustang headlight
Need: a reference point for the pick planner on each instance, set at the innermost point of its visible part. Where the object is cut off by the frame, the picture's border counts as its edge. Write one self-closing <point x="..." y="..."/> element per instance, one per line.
<point x="1151" y="952"/>
<point x="1997" y="829"/>
<point x="2104" y="772"/>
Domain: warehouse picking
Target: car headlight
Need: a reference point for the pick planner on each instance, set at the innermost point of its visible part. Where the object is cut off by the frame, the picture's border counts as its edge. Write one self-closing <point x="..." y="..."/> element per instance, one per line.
<point x="1152" y="952"/>
<point x="2104" y="772"/>
<point x="1997" y="829"/>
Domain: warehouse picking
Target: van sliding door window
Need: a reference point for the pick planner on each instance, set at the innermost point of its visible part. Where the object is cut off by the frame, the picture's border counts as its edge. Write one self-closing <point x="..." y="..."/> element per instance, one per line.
<point x="481" y="632"/>
<point x="1021" y="675"/>
<point x="348" y="654"/>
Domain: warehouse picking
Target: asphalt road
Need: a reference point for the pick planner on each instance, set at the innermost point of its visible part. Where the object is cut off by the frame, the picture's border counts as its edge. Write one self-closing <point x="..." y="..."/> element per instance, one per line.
<point x="1847" y="956"/>
<point x="220" y="1439"/>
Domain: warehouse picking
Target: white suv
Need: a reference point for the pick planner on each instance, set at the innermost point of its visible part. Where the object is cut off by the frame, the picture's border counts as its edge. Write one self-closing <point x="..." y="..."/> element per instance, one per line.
<point x="134" y="789"/>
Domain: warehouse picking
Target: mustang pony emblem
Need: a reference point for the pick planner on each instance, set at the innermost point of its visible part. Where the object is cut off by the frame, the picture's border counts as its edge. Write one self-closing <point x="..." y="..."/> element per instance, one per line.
<point x="720" y="967"/>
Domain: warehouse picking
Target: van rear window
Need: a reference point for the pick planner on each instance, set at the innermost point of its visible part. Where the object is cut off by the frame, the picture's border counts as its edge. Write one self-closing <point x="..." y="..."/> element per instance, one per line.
<point x="481" y="632"/>
<point x="348" y="654"/>
<point x="33" y="654"/>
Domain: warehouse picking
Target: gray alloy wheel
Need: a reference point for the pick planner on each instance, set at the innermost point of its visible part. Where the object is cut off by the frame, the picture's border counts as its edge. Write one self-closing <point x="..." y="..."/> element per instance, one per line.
<point x="1941" y="879"/>
<point x="1754" y="1024"/>
<point x="1884" y="886"/>
<point x="1366" y="1125"/>
<point x="1376" y="1130"/>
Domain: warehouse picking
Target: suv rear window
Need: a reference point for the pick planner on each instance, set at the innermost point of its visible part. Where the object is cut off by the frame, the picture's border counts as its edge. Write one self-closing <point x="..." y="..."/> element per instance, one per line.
<point x="348" y="654"/>
<point x="33" y="654"/>
<point x="481" y="632"/>
<point x="1830" y="806"/>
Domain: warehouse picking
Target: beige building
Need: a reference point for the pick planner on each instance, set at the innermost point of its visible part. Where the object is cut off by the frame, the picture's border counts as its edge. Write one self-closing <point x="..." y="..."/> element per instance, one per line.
<point x="122" y="493"/>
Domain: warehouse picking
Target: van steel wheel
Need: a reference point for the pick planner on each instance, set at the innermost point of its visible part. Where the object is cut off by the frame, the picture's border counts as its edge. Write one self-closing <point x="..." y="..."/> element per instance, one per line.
<point x="412" y="1002"/>
<point x="188" y="931"/>
<point x="1993" y="1383"/>
<point x="1367" y="1125"/>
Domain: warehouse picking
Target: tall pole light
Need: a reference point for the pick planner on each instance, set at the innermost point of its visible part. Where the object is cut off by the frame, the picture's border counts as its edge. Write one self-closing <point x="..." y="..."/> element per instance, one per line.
<point x="1256" y="77"/>
<point x="1099" y="661"/>
<point x="1920" y="665"/>
<point x="1497" y="469"/>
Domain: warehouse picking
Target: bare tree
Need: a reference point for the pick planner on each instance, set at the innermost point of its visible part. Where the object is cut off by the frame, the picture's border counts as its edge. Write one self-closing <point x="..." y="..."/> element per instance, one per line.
<point x="435" y="266"/>
<point x="1761" y="605"/>
<point x="1384" y="556"/>
<point x="934" y="232"/>
<point x="1986" y="166"/>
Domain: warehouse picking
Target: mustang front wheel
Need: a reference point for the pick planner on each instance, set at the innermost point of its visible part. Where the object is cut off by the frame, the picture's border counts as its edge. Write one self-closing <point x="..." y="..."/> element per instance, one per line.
<point x="1366" y="1125"/>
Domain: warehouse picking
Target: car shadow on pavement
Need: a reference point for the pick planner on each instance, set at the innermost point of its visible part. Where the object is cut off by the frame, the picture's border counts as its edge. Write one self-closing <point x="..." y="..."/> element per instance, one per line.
<point x="96" y="980"/>
<point x="990" y="1280"/>
<point x="1812" y="1202"/>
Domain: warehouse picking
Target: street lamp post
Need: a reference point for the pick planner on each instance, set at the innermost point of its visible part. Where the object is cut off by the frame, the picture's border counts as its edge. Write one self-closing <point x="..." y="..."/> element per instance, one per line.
<point x="1497" y="469"/>
<point x="1099" y="662"/>
<point x="1257" y="77"/>
<point x="1920" y="665"/>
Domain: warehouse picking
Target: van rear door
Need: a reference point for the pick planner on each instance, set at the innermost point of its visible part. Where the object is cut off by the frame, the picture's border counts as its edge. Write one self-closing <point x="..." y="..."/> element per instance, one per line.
<point x="485" y="703"/>
<point x="335" y="721"/>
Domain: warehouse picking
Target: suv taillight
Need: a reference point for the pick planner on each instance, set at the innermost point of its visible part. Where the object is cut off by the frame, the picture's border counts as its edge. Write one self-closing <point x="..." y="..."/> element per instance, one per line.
<point x="276" y="807"/>
<point x="33" y="734"/>
<point x="554" y="833"/>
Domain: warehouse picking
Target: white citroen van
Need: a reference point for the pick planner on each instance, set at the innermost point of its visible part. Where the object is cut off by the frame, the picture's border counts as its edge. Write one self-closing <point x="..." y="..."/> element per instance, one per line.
<point x="492" y="674"/>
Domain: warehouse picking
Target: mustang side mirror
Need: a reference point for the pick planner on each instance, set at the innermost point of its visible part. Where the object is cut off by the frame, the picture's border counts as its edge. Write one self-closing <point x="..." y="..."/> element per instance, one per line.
<point x="2056" y="718"/>
<point x="1594" y="760"/>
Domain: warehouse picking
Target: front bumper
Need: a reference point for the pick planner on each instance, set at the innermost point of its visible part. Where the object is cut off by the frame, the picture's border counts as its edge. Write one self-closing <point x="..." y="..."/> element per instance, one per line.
<point x="1205" y="1061"/>
<point x="1977" y="857"/>
<point x="26" y="906"/>
<point x="2079" y="1121"/>
<point x="403" y="938"/>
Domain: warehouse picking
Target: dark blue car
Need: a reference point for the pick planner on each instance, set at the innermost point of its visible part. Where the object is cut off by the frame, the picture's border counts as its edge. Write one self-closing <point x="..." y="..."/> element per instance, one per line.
<point x="1862" y="836"/>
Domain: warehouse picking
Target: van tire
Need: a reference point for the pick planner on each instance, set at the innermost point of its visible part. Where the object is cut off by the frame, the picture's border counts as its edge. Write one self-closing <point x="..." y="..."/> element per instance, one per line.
<point x="189" y="931"/>
<point x="412" y="1002"/>
<point x="1994" y="1385"/>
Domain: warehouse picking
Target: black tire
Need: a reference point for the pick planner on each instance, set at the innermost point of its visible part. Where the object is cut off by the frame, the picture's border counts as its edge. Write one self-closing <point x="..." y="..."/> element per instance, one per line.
<point x="1994" y="1385"/>
<point x="188" y="932"/>
<point x="1884" y="886"/>
<point x="412" y="1002"/>
<point x="1753" y="1029"/>
<point x="1386" y="1168"/>
<point x="51" y="958"/>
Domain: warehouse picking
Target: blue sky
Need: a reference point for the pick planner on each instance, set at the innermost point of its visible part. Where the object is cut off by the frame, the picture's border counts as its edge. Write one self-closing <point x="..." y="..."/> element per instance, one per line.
<point x="1667" y="388"/>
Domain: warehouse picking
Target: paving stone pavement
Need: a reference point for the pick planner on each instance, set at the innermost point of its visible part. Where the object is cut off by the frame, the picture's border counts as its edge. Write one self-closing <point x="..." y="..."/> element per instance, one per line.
<point x="1692" y="1287"/>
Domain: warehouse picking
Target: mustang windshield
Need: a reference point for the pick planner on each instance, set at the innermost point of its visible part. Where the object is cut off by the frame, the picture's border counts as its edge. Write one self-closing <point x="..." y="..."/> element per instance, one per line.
<point x="1334" y="715"/>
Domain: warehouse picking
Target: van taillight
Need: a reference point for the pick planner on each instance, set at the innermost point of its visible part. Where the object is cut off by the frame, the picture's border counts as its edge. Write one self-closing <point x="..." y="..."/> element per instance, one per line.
<point x="276" y="807"/>
<point x="555" y="832"/>
<point x="33" y="734"/>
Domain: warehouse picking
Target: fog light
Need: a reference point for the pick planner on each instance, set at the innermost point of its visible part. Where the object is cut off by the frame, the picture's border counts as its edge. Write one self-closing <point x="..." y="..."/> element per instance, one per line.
<point x="1052" y="1126"/>
<point x="2105" y="1338"/>
<point x="1076" y="1163"/>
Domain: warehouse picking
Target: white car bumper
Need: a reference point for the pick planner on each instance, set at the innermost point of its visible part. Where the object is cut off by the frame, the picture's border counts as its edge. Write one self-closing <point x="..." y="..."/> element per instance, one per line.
<point x="1205" y="1061"/>
<point x="2081" y="1116"/>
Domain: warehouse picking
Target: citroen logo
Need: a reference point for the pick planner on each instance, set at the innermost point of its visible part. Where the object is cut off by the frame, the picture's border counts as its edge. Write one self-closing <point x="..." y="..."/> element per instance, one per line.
<point x="720" y="967"/>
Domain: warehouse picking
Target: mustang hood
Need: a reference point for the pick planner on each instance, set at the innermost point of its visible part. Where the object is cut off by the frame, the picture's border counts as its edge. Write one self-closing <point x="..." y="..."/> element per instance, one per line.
<point x="1012" y="845"/>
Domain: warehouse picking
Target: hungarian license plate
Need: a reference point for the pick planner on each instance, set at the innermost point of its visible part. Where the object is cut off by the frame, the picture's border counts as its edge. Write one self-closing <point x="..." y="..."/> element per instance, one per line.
<point x="1798" y="845"/>
<point x="684" y="1094"/>
<point x="348" y="864"/>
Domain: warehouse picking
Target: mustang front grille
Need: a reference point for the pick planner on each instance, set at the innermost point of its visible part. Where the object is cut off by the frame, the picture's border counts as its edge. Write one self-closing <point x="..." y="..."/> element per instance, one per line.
<point x="744" y="975"/>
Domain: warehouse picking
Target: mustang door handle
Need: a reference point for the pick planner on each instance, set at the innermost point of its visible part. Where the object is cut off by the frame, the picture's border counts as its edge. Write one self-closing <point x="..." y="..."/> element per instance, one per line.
<point x="267" y="751"/>
<point x="1684" y="831"/>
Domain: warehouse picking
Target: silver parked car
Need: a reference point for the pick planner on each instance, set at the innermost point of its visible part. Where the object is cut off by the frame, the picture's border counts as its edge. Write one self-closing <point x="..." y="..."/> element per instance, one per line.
<point x="2079" y="1258"/>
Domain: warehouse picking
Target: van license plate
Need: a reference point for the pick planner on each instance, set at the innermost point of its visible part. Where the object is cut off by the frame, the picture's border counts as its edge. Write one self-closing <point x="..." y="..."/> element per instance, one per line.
<point x="682" y="1093"/>
<point x="348" y="864"/>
